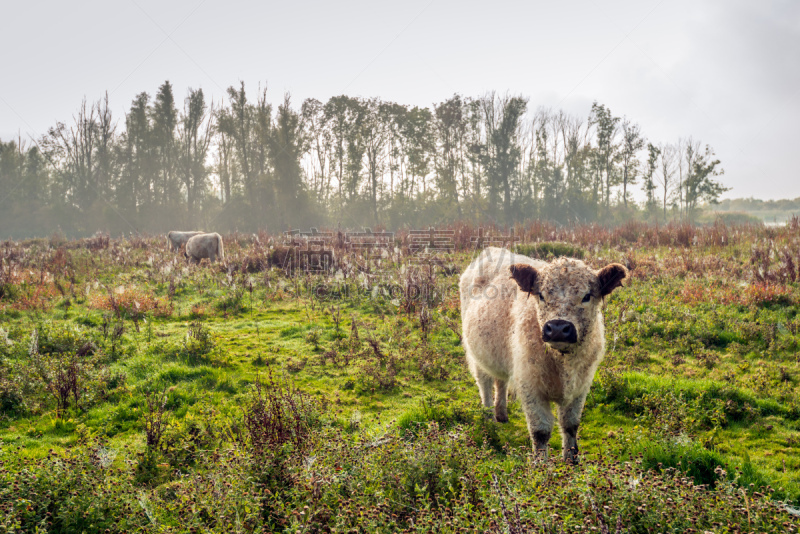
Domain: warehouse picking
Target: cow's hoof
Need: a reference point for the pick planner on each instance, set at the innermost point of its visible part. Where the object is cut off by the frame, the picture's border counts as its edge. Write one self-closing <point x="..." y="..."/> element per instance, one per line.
<point x="540" y="456"/>
<point x="571" y="457"/>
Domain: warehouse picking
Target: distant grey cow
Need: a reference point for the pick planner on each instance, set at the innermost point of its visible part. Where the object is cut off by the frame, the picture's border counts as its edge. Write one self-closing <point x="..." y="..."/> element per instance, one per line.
<point x="538" y="326"/>
<point x="205" y="246"/>
<point x="177" y="239"/>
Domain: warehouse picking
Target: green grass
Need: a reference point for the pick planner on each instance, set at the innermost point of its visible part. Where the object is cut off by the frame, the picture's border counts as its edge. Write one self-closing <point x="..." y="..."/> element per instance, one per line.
<point x="693" y="385"/>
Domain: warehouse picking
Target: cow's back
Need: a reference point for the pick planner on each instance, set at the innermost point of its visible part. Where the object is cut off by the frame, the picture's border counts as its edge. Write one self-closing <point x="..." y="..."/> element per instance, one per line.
<point x="208" y="246"/>
<point x="176" y="238"/>
<point x="487" y="297"/>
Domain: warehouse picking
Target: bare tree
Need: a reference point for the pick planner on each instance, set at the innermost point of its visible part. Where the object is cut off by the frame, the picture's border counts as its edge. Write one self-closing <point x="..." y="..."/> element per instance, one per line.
<point x="321" y="145"/>
<point x="74" y="148"/>
<point x="195" y="131"/>
<point x="666" y="173"/>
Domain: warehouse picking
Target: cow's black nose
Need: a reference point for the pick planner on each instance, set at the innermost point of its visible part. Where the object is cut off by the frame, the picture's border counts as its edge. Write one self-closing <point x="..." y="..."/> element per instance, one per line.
<point x="559" y="331"/>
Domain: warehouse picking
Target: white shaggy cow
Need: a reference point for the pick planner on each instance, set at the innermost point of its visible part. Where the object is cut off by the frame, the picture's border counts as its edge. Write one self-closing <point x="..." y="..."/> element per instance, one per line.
<point x="205" y="246"/>
<point x="538" y="326"/>
<point x="177" y="239"/>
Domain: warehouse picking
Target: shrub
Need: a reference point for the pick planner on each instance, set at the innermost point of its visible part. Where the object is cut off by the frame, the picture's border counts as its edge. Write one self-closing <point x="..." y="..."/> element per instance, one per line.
<point x="279" y="416"/>
<point x="12" y="402"/>
<point x="58" y="363"/>
<point x="73" y="491"/>
<point x="279" y="419"/>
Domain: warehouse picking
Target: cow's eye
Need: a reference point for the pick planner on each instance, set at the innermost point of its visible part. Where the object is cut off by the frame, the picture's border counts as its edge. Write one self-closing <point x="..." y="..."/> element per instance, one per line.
<point x="587" y="298"/>
<point x="541" y="297"/>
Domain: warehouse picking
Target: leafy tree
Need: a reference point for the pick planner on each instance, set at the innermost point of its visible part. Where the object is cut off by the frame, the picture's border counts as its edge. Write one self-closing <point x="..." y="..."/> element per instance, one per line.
<point x="607" y="146"/>
<point x="375" y="132"/>
<point x="107" y="157"/>
<point x="164" y="120"/>
<point x="502" y="118"/>
<point x="135" y="187"/>
<point x="395" y="116"/>
<point x="13" y="173"/>
<point x="288" y="143"/>
<point x="241" y="129"/>
<point x="577" y="154"/>
<point x="450" y="124"/>
<point x="632" y="143"/>
<point x="225" y="162"/>
<point x="243" y="167"/>
<point x="337" y="115"/>
<point x="650" y="186"/>
<point x="356" y="117"/>
<point x="700" y="183"/>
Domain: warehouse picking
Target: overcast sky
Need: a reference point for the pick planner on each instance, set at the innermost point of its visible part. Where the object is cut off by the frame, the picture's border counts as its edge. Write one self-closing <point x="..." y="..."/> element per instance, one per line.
<point x="725" y="72"/>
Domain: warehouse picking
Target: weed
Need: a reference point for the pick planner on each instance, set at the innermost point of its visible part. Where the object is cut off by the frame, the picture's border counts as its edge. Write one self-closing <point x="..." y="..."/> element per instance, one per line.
<point x="197" y="343"/>
<point x="425" y="320"/>
<point x="672" y="415"/>
<point x="431" y="363"/>
<point x="233" y="301"/>
<point x="313" y="338"/>
<point x="296" y="366"/>
<point x="155" y="418"/>
<point x="380" y="370"/>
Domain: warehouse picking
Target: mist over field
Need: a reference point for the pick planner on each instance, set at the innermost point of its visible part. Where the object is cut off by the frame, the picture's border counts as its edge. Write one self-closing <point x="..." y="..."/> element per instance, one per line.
<point x="347" y="162"/>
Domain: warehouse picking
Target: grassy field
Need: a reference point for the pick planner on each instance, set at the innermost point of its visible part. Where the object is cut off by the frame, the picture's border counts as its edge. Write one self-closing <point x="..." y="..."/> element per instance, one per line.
<point x="139" y="393"/>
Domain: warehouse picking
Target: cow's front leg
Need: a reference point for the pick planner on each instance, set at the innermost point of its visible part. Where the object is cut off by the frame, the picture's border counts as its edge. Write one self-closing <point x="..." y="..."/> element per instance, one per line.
<point x="540" y="422"/>
<point x="500" y="401"/>
<point x="569" y="418"/>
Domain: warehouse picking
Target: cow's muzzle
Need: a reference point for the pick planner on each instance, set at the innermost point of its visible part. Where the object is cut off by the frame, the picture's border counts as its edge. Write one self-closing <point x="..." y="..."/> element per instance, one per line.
<point x="559" y="331"/>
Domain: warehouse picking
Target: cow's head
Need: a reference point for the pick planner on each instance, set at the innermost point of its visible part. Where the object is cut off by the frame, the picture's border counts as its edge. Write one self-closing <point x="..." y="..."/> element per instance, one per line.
<point x="568" y="294"/>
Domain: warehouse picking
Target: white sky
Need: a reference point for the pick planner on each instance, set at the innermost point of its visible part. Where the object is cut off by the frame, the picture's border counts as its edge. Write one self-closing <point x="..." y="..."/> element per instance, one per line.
<point x="726" y="73"/>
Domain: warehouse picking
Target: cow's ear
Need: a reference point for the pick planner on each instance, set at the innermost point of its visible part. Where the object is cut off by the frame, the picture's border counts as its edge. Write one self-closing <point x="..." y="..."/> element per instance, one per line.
<point x="610" y="277"/>
<point x="525" y="275"/>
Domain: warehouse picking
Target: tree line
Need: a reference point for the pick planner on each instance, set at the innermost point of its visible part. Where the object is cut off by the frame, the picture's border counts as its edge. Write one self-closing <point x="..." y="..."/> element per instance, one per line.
<point x="242" y="164"/>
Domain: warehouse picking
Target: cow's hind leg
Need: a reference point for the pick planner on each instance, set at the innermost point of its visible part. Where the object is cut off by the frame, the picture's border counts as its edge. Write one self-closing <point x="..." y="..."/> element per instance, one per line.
<point x="484" y="381"/>
<point x="569" y="418"/>
<point x="500" y="401"/>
